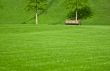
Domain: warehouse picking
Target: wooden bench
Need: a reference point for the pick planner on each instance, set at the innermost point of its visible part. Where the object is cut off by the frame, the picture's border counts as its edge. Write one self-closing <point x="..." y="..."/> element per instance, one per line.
<point x="72" y="22"/>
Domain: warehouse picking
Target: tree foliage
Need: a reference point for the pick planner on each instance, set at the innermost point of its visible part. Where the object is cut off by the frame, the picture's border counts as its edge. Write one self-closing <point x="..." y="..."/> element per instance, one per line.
<point x="71" y="4"/>
<point x="81" y="6"/>
<point x="36" y="5"/>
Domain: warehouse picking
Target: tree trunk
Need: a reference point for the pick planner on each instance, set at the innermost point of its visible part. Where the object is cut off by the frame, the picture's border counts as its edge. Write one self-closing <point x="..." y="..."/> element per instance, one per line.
<point x="36" y="18"/>
<point x="76" y="16"/>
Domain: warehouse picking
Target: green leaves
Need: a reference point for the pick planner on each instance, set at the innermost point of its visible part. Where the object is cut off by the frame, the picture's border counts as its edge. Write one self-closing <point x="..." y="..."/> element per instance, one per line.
<point x="83" y="13"/>
<point x="37" y="5"/>
<point x="81" y="6"/>
<point x="73" y="4"/>
<point x="41" y="4"/>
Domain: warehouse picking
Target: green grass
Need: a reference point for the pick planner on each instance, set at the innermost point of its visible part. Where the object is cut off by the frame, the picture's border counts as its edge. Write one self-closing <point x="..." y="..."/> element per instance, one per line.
<point x="54" y="48"/>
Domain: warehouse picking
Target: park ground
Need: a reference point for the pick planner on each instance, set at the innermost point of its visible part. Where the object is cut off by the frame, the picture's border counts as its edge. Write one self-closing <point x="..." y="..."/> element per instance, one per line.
<point x="29" y="47"/>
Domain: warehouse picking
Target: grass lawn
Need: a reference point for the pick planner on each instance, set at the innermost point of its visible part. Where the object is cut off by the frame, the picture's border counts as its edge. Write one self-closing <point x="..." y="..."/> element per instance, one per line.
<point x="54" y="48"/>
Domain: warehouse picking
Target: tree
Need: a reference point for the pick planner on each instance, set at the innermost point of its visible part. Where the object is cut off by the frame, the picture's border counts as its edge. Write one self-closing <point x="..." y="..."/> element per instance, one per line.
<point x="38" y="6"/>
<point x="78" y="9"/>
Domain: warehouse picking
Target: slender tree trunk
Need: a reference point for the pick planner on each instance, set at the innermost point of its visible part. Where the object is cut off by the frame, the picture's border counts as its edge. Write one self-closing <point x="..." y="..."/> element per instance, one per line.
<point x="36" y="18"/>
<point x="76" y="11"/>
<point x="76" y="16"/>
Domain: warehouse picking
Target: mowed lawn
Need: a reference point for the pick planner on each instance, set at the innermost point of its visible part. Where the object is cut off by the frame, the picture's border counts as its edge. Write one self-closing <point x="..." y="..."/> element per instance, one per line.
<point x="54" y="48"/>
